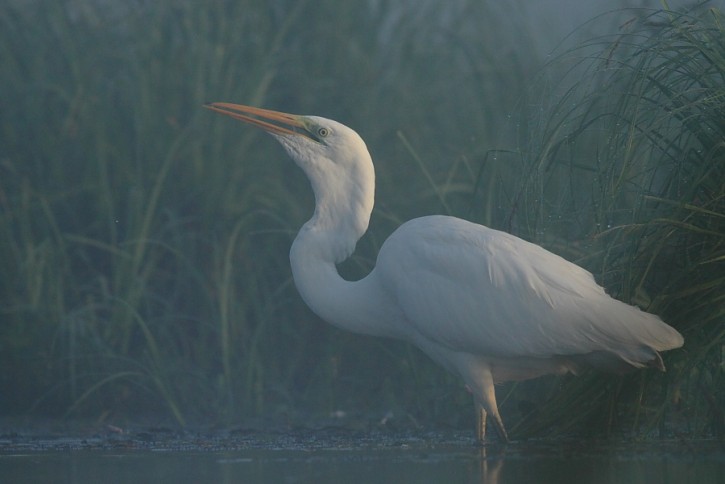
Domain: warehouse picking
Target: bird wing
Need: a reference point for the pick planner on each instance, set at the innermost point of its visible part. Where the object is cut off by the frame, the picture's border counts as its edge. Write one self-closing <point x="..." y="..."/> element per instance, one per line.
<point x="479" y="290"/>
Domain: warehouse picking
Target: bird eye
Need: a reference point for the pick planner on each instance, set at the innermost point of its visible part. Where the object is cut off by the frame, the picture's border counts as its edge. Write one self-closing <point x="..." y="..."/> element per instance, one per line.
<point x="323" y="132"/>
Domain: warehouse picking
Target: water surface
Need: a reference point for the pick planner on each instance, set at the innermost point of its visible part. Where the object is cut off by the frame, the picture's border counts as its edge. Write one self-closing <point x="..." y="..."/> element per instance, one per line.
<point x="398" y="460"/>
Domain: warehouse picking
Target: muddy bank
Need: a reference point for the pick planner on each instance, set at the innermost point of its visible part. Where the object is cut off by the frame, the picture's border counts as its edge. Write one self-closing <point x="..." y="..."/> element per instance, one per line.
<point x="45" y="436"/>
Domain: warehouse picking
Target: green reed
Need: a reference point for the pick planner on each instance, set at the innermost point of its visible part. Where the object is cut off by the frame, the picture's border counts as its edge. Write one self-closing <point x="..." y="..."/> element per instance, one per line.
<point x="144" y="240"/>
<point x="626" y="176"/>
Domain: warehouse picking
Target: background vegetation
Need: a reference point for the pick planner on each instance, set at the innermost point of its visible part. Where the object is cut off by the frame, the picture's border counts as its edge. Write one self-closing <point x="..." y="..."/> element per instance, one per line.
<point x="144" y="241"/>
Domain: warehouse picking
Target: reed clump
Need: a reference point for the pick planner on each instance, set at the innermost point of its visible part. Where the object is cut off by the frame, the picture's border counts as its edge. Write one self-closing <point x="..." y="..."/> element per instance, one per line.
<point x="627" y="176"/>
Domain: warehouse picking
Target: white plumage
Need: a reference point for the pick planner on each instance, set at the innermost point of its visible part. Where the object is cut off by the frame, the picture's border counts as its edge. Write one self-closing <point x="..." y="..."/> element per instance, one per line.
<point x="485" y="304"/>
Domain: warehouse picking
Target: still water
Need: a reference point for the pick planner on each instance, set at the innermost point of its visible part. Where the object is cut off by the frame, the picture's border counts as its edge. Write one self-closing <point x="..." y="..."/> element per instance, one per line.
<point x="522" y="463"/>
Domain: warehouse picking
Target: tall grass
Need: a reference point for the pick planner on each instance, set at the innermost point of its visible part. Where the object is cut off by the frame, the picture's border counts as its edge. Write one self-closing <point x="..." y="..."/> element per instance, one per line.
<point x="143" y="242"/>
<point x="626" y="174"/>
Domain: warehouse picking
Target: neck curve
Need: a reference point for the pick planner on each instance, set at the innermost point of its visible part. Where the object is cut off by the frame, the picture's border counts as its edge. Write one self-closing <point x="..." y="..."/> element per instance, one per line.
<point x="342" y="213"/>
<point x="356" y="306"/>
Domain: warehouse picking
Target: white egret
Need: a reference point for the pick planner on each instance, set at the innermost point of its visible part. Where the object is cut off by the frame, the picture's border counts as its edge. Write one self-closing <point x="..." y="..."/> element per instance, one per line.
<point x="486" y="305"/>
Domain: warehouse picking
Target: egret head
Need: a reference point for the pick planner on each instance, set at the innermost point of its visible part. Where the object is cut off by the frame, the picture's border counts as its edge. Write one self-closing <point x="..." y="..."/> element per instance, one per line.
<point x="312" y="142"/>
<point x="333" y="156"/>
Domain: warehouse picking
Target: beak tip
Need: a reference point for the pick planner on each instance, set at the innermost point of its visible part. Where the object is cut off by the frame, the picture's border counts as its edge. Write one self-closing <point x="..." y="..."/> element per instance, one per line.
<point x="271" y="121"/>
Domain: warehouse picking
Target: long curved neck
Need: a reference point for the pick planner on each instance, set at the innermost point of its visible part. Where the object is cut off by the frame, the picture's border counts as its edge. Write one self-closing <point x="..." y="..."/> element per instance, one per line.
<point x="357" y="306"/>
<point x="341" y="218"/>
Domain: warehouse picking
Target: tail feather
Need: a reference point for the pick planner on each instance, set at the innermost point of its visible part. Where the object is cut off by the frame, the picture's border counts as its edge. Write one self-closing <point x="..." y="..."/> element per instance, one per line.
<point x="620" y="362"/>
<point x="657" y="362"/>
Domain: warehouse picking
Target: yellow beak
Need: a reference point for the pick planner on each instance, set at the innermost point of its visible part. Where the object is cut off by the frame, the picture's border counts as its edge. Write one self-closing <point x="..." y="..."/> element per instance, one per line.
<point x="261" y="118"/>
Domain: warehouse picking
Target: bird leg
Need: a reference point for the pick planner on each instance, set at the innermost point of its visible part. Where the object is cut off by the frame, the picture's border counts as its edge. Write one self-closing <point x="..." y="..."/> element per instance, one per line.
<point x="500" y="428"/>
<point x="485" y="397"/>
<point x="480" y="423"/>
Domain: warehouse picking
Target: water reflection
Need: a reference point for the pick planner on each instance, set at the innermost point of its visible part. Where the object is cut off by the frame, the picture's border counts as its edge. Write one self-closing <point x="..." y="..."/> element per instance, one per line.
<point x="517" y="463"/>
<point x="490" y="469"/>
